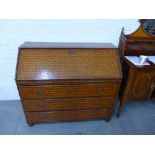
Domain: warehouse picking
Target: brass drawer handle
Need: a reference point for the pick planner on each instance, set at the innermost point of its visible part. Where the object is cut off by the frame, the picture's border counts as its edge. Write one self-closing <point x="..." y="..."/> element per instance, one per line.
<point x="97" y="102"/>
<point x="40" y="92"/>
<point x="42" y="105"/>
<point x="70" y="91"/>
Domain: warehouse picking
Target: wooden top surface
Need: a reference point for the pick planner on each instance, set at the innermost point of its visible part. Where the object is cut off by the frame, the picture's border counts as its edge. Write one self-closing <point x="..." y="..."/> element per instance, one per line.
<point x="65" y="45"/>
<point x="55" y="64"/>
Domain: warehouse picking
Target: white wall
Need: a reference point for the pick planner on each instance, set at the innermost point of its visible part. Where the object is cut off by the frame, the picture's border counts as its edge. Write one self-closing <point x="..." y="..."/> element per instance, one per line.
<point x="14" y="32"/>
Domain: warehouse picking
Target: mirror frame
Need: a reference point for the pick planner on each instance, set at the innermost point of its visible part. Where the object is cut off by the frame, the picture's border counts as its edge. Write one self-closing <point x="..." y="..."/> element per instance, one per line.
<point x="149" y="27"/>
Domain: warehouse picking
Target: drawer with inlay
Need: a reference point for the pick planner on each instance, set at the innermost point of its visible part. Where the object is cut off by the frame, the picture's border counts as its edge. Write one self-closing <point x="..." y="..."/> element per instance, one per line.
<point x="38" y="117"/>
<point x="68" y="104"/>
<point x="65" y="91"/>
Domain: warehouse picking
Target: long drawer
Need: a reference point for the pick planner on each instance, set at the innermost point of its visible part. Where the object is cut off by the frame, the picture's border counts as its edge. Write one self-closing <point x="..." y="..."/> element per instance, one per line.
<point x="37" y="117"/>
<point x="62" y="91"/>
<point x="68" y="104"/>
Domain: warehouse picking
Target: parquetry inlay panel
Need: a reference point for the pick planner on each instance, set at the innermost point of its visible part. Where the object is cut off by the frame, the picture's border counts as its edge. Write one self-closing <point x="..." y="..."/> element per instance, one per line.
<point x="39" y="64"/>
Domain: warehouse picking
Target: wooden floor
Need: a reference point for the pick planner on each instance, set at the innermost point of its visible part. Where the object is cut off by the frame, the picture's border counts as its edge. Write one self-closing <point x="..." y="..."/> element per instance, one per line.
<point x="136" y="119"/>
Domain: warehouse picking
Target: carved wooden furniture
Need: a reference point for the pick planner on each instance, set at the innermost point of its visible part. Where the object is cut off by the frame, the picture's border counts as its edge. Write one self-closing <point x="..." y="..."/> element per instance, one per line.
<point x="67" y="81"/>
<point x="138" y="81"/>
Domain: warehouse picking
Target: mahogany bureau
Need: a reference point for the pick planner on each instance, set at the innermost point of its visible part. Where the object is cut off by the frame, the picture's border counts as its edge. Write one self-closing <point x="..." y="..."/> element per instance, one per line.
<point x="67" y="81"/>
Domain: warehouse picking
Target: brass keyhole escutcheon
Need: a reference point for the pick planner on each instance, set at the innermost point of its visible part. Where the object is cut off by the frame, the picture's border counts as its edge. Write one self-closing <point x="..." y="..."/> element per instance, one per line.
<point x="71" y="51"/>
<point x="99" y="90"/>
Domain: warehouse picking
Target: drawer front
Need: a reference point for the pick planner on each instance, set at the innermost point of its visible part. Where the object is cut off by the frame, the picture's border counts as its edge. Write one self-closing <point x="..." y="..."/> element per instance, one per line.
<point x="58" y="91"/>
<point x="68" y="104"/>
<point x="38" y="117"/>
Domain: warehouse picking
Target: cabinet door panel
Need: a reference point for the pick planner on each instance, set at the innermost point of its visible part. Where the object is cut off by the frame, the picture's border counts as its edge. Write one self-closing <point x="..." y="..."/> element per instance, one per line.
<point x="141" y="86"/>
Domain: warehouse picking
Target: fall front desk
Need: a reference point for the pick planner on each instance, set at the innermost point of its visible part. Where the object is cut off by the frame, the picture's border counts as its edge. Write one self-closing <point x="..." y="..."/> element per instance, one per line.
<point x="67" y="81"/>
